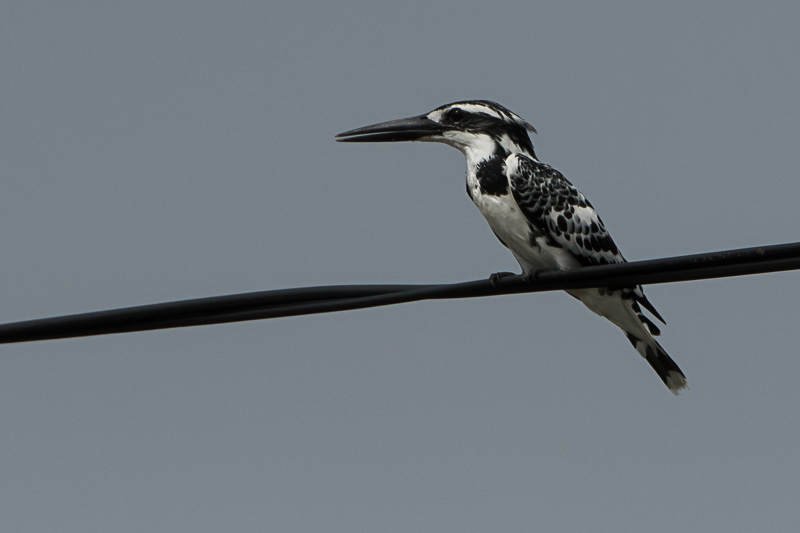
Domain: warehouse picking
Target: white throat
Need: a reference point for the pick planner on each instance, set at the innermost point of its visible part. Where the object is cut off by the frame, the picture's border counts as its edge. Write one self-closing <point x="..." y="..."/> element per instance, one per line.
<point x="476" y="147"/>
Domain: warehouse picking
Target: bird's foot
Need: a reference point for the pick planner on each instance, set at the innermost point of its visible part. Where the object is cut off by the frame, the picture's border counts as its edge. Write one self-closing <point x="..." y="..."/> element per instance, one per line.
<point x="530" y="277"/>
<point x="495" y="278"/>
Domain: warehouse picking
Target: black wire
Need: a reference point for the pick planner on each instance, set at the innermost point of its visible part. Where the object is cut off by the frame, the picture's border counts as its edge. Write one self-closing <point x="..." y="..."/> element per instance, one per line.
<point x="326" y="299"/>
<point x="468" y="290"/>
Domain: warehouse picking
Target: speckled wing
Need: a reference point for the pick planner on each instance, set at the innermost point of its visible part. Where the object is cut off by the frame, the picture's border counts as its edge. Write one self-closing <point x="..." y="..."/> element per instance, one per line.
<point x="556" y="209"/>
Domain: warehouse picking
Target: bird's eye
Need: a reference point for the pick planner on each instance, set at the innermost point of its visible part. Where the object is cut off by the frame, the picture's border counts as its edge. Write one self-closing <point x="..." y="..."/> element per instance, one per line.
<point x="455" y="115"/>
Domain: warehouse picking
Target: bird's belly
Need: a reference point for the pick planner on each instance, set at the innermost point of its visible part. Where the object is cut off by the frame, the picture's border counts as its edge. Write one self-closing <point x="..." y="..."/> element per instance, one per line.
<point x="513" y="229"/>
<point x="505" y="219"/>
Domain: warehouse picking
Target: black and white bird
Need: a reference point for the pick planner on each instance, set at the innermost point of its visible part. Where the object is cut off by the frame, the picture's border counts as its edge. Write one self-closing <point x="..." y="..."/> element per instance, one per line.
<point x="533" y="209"/>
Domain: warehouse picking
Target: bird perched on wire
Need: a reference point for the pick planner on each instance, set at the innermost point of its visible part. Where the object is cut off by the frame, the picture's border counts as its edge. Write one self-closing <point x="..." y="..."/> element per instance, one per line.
<point x="533" y="209"/>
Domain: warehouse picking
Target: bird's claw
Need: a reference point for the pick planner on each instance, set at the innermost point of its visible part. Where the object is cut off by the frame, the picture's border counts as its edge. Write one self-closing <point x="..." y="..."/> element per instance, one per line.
<point x="530" y="277"/>
<point x="495" y="278"/>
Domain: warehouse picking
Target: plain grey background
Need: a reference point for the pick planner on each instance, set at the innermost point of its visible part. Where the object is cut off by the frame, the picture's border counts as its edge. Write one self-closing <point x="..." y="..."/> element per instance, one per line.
<point x="153" y="151"/>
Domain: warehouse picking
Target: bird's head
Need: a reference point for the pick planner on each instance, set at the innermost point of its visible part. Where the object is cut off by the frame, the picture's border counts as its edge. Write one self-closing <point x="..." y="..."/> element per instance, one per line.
<point x="479" y="128"/>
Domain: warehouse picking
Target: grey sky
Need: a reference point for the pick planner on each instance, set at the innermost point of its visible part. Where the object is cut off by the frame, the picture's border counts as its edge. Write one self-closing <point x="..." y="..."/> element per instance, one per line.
<point x="153" y="151"/>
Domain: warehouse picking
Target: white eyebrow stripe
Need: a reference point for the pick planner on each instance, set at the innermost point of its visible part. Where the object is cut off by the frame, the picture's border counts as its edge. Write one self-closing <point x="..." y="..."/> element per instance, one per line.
<point x="473" y="108"/>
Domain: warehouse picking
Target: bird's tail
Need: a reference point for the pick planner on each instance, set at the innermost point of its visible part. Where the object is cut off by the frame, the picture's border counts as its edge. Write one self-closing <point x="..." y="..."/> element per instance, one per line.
<point x="624" y="309"/>
<point x="662" y="363"/>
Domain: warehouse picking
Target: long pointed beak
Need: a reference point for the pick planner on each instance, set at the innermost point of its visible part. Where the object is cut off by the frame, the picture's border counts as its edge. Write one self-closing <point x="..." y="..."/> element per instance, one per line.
<point x="404" y="129"/>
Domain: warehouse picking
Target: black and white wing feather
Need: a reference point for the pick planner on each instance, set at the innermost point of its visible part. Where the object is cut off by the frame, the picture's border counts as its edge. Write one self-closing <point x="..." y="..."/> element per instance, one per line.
<point x="557" y="210"/>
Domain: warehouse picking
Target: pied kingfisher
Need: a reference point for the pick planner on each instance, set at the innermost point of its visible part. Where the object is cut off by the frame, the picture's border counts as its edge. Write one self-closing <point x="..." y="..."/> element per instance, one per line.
<point x="533" y="209"/>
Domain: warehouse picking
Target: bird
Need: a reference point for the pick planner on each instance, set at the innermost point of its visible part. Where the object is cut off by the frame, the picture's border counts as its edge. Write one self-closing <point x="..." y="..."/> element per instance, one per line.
<point x="534" y="211"/>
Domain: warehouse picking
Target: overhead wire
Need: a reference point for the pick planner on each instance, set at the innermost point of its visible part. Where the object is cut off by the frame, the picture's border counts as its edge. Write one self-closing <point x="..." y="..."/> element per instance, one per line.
<point x="326" y="299"/>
